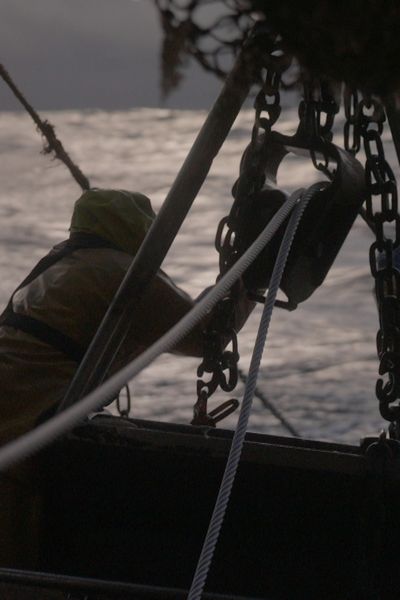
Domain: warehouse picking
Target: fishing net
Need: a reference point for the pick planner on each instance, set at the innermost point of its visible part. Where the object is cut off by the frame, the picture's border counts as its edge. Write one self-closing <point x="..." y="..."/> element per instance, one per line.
<point x="357" y="42"/>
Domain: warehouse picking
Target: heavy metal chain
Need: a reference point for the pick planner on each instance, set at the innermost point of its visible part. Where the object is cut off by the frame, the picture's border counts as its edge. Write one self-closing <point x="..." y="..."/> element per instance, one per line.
<point x="365" y="118"/>
<point x="221" y="363"/>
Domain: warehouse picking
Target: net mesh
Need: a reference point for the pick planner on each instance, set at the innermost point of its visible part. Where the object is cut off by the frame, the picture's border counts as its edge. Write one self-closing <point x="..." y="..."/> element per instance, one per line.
<point x="356" y="42"/>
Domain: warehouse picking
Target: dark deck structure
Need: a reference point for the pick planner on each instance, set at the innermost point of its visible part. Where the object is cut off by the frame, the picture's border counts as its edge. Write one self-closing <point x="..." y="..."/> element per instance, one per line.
<point x="128" y="504"/>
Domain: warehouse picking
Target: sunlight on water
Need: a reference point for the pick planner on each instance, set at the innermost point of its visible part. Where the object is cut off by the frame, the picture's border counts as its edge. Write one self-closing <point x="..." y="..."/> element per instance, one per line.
<point x="320" y="362"/>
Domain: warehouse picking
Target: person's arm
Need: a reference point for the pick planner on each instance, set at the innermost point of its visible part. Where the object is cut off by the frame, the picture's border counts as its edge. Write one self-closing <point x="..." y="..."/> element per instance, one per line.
<point x="164" y="304"/>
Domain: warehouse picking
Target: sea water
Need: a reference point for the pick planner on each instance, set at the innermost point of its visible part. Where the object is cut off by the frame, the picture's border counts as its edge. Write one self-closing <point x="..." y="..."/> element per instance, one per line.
<point x="319" y="366"/>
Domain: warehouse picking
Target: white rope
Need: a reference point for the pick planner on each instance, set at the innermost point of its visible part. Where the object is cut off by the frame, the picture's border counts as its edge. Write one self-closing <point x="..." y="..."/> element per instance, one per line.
<point x="222" y="501"/>
<point x="60" y="424"/>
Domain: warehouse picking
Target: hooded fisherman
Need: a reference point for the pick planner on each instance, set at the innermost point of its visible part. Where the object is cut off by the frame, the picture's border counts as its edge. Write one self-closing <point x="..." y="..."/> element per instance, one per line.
<point x="53" y="315"/>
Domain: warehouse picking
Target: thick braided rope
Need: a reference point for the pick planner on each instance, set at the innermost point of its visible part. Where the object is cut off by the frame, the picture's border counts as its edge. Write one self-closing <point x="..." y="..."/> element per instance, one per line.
<point x="221" y="504"/>
<point x="60" y="424"/>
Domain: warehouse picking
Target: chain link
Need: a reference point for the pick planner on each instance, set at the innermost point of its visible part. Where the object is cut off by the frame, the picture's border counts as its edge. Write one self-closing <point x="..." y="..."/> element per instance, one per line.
<point x="124" y="411"/>
<point x="365" y="120"/>
<point x="317" y="114"/>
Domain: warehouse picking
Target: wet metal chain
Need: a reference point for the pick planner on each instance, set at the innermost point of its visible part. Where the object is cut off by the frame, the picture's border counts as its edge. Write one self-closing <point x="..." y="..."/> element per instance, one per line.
<point x="365" y="118"/>
<point x="364" y="123"/>
<point x="219" y="363"/>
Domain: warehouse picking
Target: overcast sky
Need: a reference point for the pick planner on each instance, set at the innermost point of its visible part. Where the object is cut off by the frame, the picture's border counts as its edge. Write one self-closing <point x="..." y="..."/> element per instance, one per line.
<point x="90" y="54"/>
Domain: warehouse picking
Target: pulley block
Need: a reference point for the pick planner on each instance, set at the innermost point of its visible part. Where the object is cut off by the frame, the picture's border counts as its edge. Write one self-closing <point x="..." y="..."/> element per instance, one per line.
<point x="324" y="226"/>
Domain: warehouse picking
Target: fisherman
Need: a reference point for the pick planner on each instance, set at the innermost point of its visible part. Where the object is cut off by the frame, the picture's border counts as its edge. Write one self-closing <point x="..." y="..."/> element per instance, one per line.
<point x="54" y="314"/>
<point x="50" y="321"/>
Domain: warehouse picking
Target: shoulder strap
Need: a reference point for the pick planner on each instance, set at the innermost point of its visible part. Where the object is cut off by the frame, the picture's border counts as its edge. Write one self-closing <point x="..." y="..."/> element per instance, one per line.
<point x="45" y="333"/>
<point x="38" y="328"/>
<point x="77" y="241"/>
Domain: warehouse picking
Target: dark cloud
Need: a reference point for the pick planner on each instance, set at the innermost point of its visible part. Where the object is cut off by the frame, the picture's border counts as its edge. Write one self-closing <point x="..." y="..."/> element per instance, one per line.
<point x="90" y="54"/>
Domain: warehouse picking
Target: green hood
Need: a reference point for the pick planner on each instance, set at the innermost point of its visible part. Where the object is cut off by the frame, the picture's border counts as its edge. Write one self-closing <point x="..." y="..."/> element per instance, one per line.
<point x="120" y="217"/>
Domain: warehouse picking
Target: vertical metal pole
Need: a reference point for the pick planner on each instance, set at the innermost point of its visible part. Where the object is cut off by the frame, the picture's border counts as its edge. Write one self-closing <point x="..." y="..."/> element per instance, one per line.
<point x="112" y="330"/>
